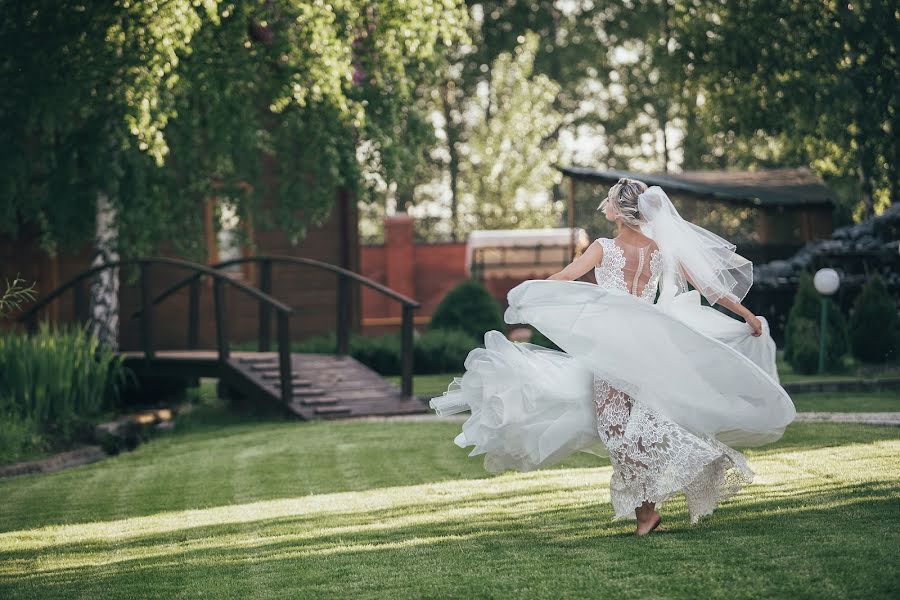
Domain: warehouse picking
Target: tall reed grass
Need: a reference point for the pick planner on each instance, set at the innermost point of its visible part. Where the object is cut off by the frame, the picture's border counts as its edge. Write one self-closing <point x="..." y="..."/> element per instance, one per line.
<point x="57" y="376"/>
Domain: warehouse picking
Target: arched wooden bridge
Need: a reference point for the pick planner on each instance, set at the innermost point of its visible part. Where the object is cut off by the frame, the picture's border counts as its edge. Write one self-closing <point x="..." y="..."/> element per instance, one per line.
<point x="306" y="385"/>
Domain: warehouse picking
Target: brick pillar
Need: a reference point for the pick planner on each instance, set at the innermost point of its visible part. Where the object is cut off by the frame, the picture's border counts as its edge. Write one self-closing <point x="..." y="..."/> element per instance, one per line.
<point x="399" y="259"/>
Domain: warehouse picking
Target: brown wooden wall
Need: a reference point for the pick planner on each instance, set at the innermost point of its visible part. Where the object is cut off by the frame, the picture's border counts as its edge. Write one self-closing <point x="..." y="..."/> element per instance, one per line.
<point x="310" y="292"/>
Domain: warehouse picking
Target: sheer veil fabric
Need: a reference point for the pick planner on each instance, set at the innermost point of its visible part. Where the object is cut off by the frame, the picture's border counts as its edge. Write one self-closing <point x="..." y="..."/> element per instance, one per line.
<point x="690" y="364"/>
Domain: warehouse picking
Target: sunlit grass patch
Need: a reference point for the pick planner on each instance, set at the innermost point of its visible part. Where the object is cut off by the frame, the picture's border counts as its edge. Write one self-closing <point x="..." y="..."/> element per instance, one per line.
<point x="389" y="509"/>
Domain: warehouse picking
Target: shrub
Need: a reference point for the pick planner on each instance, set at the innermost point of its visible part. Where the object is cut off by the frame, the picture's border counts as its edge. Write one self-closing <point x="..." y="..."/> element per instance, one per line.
<point x="380" y="353"/>
<point x="320" y="344"/>
<point x="434" y="351"/>
<point x="19" y="438"/>
<point x="56" y="378"/>
<point x="805" y="348"/>
<point x="442" y="351"/>
<point x="468" y="307"/>
<point x="798" y="334"/>
<point x="874" y="324"/>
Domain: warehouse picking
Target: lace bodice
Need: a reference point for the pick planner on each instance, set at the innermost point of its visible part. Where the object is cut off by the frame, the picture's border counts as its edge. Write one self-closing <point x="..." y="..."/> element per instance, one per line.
<point x="643" y="274"/>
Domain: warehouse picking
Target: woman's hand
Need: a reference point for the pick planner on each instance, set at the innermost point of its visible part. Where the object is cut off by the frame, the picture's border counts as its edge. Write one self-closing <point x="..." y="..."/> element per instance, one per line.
<point x="754" y="322"/>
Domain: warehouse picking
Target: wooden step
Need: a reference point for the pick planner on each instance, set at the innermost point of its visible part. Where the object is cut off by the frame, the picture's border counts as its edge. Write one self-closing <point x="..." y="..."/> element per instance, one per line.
<point x="277" y="377"/>
<point x="333" y="410"/>
<point x="317" y="400"/>
<point x="255" y="360"/>
<point x="301" y="391"/>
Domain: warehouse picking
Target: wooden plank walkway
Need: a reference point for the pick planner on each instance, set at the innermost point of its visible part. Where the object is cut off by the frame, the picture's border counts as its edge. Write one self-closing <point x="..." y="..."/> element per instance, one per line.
<point x="324" y="386"/>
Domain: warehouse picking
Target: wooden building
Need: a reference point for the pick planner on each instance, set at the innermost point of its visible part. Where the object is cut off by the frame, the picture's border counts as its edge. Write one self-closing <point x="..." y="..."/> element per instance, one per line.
<point x="310" y="292"/>
<point x="768" y="213"/>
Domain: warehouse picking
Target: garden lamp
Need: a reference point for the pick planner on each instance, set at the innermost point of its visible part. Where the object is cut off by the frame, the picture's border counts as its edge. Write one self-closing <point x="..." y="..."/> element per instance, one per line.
<point x="826" y="282"/>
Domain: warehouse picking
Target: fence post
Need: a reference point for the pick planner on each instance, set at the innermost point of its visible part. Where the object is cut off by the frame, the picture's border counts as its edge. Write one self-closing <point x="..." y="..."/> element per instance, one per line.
<point x="221" y="322"/>
<point x="343" y="316"/>
<point x="194" y="314"/>
<point x="147" y="312"/>
<point x="284" y="358"/>
<point x="406" y="346"/>
<point x="265" y="311"/>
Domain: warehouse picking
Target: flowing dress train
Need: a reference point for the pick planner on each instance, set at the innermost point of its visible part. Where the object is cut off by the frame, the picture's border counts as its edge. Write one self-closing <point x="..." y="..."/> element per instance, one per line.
<point x="663" y="391"/>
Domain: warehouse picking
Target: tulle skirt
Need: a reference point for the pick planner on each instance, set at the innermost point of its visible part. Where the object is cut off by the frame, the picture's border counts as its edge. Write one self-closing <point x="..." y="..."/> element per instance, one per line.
<point x="663" y="390"/>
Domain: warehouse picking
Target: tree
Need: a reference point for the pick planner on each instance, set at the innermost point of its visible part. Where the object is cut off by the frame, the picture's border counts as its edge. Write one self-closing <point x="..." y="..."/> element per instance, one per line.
<point x="510" y="154"/>
<point x="818" y="82"/>
<point x="153" y="103"/>
<point x="567" y="55"/>
<point x="139" y="111"/>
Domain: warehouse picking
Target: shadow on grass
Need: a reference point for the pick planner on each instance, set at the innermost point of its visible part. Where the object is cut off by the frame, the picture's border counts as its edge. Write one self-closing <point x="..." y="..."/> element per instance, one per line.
<point x="784" y="537"/>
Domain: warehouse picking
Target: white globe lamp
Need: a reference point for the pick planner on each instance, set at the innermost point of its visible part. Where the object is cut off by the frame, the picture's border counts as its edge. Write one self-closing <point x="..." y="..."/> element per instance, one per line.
<point x="827" y="282"/>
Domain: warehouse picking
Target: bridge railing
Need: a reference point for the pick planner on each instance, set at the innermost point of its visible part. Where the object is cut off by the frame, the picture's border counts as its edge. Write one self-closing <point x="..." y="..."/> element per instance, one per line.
<point x="147" y="312"/>
<point x="342" y="325"/>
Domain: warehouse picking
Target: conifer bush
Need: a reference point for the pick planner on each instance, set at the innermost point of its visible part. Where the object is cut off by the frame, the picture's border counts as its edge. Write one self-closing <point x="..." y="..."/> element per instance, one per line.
<point x="802" y="331"/>
<point x="874" y="324"/>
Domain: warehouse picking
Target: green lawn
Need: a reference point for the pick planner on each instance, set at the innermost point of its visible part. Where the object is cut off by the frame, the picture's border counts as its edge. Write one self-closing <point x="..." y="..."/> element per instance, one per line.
<point x="851" y="402"/>
<point x="223" y="509"/>
<point x="429" y="386"/>
<point x="852" y="369"/>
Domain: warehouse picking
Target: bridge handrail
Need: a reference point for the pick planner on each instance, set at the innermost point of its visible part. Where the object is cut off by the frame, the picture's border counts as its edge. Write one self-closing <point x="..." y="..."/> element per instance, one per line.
<point x="276" y="258"/>
<point x="343" y="312"/>
<point x="147" y="309"/>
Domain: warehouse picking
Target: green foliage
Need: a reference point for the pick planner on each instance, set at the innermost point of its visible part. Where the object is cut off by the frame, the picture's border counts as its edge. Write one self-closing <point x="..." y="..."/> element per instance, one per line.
<point x="380" y="353"/>
<point x="443" y="351"/>
<point x="160" y="105"/>
<point x="874" y="324"/>
<point x="824" y="98"/>
<point x="801" y="335"/>
<point x="56" y="378"/>
<point x="468" y="307"/>
<point x="434" y="351"/>
<point x="511" y="152"/>
<point x="20" y="438"/>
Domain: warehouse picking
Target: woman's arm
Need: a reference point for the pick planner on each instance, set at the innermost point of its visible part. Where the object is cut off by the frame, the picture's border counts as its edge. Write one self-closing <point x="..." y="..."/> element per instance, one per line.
<point x="737" y="308"/>
<point x="589" y="259"/>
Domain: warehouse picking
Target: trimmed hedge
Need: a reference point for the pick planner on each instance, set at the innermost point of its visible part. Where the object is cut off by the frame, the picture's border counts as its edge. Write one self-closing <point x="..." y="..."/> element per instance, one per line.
<point x="874" y="324"/>
<point x="801" y="335"/>
<point x="470" y="308"/>
<point x="437" y="351"/>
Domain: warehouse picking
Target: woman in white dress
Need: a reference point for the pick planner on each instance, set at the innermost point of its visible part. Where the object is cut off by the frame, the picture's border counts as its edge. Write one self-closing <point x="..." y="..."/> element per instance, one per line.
<point x="663" y="389"/>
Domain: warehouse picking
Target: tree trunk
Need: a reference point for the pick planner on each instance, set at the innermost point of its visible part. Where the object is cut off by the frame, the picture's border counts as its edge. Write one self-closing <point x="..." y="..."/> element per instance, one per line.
<point x="104" y="304"/>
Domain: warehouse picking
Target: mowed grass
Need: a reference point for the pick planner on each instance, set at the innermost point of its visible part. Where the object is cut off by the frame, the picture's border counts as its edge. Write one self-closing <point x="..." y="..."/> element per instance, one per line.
<point x="850" y="402"/>
<point x="394" y="510"/>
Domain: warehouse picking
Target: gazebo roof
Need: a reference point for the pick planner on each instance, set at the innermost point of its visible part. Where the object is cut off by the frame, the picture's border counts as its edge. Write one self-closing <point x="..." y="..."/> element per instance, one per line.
<point x="762" y="188"/>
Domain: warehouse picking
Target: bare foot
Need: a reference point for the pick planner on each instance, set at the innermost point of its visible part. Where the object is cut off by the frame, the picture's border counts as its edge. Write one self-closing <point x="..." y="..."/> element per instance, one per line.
<point x="647" y="517"/>
<point x="649" y="525"/>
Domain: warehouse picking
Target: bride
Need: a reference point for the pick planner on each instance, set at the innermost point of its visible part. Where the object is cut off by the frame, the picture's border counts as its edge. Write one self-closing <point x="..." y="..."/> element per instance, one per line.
<point x="648" y="376"/>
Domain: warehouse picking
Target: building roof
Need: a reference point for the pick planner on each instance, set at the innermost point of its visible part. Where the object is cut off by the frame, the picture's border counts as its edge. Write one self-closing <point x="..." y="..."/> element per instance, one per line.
<point x="765" y="187"/>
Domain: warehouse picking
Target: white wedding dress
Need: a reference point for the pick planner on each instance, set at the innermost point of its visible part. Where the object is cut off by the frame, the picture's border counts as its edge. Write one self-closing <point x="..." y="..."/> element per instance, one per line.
<point x="663" y="389"/>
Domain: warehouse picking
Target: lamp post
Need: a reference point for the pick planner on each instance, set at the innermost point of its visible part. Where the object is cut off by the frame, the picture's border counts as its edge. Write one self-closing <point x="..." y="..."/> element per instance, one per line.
<point x="826" y="282"/>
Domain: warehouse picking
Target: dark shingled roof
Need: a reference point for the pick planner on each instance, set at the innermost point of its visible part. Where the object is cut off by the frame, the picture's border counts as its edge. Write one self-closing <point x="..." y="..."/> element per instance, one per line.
<point x="767" y="187"/>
